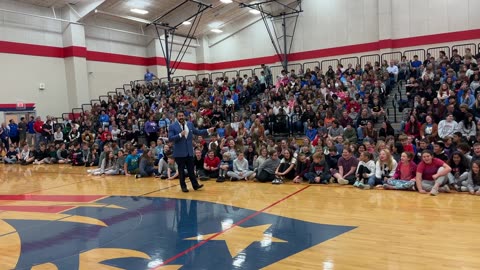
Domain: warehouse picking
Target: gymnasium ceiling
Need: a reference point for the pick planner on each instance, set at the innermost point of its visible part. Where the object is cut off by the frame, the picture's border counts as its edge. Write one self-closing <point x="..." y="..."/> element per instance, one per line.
<point x="219" y="16"/>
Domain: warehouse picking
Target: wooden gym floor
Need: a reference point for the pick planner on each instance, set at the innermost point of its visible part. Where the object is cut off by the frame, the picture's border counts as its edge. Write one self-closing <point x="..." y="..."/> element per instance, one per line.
<point x="60" y="218"/>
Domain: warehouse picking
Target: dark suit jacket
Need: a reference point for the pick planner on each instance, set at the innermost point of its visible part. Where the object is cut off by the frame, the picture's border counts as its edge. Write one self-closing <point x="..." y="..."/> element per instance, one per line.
<point x="183" y="147"/>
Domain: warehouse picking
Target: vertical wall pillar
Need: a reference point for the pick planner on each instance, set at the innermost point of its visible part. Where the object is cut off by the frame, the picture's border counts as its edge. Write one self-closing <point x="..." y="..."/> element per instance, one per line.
<point x="76" y="65"/>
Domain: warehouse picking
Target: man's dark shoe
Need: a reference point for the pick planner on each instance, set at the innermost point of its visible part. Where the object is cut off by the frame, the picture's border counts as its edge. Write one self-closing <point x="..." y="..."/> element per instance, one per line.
<point x="184" y="189"/>
<point x="198" y="187"/>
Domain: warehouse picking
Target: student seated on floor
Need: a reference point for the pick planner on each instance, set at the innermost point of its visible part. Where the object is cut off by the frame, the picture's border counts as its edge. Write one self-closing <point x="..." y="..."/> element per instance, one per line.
<point x="286" y="168"/>
<point x="240" y="169"/>
<point x="211" y="166"/>
<point x="302" y="167"/>
<point x="404" y="176"/>
<point x="319" y="172"/>
<point x="171" y="171"/>
<point x="225" y="165"/>
<point x="266" y="171"/>
<point x="146" y="167"/>
<point x="365" y="171"/>
<point x="473" y="181"/>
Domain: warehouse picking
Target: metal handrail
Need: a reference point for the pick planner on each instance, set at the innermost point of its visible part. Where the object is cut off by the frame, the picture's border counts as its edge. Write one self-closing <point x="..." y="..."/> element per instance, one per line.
<point x="394" y="111"/>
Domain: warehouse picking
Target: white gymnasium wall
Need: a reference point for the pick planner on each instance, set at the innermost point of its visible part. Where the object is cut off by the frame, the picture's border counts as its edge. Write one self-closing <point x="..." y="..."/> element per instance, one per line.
<point x="426" y="17"/>
<point x="329" y="24"/>
<point x="22" y="75"/>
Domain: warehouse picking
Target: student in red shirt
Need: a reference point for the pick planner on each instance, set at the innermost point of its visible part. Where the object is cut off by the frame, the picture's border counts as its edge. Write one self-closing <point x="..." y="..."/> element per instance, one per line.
<point x="431" y="174"/>
<point x="404" y="176"/>
<point x="211" y="165"/>
<point x="38" y="128"/>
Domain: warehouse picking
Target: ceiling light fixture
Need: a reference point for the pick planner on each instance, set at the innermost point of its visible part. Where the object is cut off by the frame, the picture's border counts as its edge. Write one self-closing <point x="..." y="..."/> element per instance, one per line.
<point x="254" y="11"/>
<point x="139" y="11"/>
<point x="186" y="23"/>
<point x="226" y="1"/>
<point x="216" y="31"/>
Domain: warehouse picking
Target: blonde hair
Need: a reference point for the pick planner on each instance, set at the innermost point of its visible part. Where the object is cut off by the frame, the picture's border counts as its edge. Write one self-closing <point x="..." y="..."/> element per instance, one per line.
<point x="389" y="161"/>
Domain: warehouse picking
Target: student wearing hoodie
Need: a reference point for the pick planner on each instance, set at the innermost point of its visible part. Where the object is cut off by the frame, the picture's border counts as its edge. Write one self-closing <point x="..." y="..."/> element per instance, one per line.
<point x="319" y="172"/>
<point x="365" y="170"/>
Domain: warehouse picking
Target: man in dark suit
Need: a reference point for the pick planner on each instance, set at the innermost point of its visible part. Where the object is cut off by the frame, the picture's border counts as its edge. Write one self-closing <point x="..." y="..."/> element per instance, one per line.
<point x="181" y="133"/>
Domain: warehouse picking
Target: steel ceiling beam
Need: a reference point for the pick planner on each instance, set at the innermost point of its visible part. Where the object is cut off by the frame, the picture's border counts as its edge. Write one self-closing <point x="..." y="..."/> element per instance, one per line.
<point x="282" y="49"/>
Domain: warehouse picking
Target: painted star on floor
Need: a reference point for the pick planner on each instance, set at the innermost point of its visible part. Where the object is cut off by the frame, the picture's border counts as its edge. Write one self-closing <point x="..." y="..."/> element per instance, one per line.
<point x="239" y="238"/>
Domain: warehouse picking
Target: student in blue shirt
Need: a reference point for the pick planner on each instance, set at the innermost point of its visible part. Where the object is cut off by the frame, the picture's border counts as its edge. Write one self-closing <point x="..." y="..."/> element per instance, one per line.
<point x="148" y="77"/>
<point x="31" y="132"/>
<point x="131" y="163"/>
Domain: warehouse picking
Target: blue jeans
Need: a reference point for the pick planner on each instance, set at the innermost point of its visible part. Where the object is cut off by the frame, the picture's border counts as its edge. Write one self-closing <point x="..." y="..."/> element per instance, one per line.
<point x="372" y="181"/>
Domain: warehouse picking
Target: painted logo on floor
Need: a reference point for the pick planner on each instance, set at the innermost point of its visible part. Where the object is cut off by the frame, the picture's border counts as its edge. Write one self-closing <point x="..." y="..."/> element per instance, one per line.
<point x="148" y="233"/>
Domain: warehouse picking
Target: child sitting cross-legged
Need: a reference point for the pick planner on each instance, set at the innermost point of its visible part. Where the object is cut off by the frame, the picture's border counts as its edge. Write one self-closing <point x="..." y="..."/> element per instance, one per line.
<point x="365" y="170"/>
<point x="225" y="166"/>
<point x="319" y="171"/>
<point x="240" y="169"/>
<point x="404" y="176"/>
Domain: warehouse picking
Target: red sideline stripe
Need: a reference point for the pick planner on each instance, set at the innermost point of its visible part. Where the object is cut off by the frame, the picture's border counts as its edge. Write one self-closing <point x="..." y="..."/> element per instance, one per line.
<point x="36" y="209"/>
<point x="233" y="226"/>
<point x="51" y="198"/>
<point x="75" y="51"/>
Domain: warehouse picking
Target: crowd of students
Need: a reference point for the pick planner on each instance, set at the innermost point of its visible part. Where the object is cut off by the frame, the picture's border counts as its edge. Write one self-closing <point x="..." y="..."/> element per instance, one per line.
<point x="336" y="111"/>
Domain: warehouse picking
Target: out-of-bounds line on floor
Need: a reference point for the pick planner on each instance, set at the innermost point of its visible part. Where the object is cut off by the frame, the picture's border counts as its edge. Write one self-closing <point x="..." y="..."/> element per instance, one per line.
<point x="199" y="244"/>
<point x="160" y="189"/>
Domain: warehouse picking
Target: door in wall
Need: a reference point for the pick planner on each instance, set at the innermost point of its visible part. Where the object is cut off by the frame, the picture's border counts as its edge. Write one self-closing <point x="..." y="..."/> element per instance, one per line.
<point x="16" y="116"/>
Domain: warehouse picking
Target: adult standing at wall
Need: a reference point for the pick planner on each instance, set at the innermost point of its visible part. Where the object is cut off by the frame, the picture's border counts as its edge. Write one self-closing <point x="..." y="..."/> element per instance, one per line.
<point x="268" y="74"/>
<point x="38" y="127"/>
<point x="181" y="134"/>
<point x="31" y="132"/>
<point x="149" y="76"/>
<point x="14" y="135"/>
<point x="22" y="130"/>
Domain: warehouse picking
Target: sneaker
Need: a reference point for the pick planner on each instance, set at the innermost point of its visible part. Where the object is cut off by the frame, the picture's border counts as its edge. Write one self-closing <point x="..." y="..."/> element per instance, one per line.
<point x="364" y="186"/>
<point x="220" y="179"/>
<point x="463" y="189"/>
<point x="434" y="192"/>
<point x="446" y="189"/>
<point x="277" y="181"/>
<point x="137" y="176"/>
<point x="356" y="184"/>
<point x="332" y="180"/>
<point x="325" y="182"/>
<point x="342" y="181"/>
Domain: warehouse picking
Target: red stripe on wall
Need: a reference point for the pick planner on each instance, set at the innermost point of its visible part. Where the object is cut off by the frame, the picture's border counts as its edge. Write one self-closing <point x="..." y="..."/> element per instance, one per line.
<point x="117" y="58"/>
<point x="75" y="51"/>
<point x="430" y="39"/>
<point x="30" y="49"/>
<point x="14" y="106"/>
